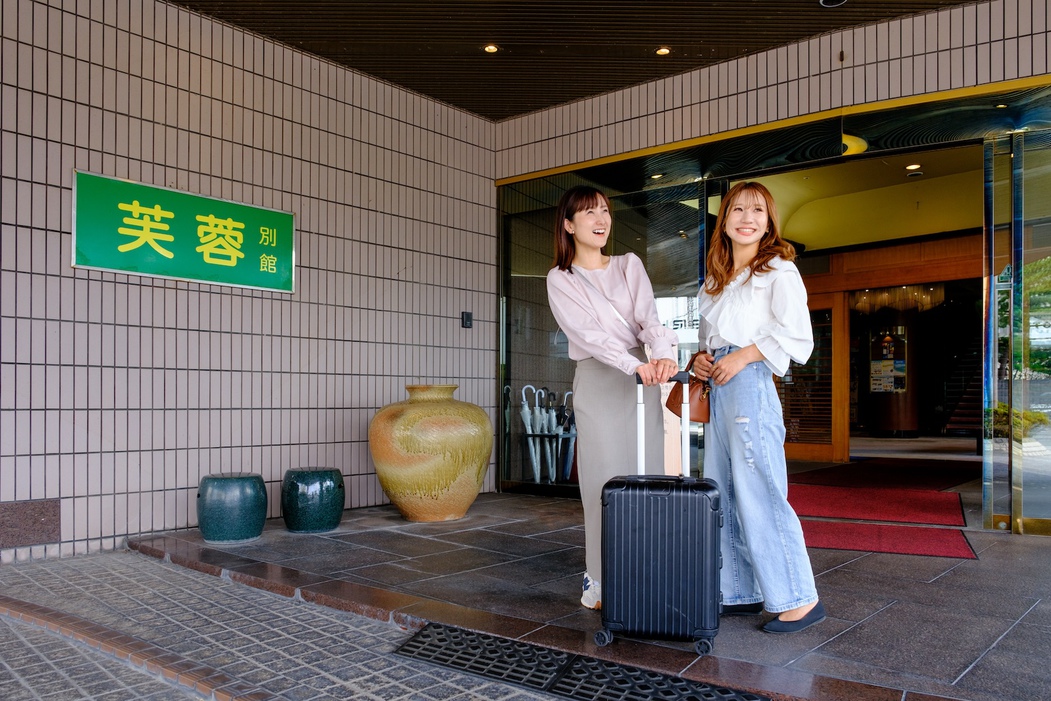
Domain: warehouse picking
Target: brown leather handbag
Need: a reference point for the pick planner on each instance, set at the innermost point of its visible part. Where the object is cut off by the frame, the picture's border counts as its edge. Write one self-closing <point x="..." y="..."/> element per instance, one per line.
<point x="699" y="390"/>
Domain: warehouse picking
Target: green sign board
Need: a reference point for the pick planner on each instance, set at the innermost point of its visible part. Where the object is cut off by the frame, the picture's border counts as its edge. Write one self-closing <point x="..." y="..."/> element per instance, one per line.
<point x="134" y="228"/>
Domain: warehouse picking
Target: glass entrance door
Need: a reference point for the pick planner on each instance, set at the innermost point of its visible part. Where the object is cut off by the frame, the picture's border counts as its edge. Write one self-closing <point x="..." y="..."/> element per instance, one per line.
<point x="1017" y="466"/>
<point x="661" y="225"/>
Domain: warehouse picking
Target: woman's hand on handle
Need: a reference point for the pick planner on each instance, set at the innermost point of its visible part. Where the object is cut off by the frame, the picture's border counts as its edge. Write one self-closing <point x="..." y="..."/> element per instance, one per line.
<point x="666" y="369"/>
<point x="657" y="371"/>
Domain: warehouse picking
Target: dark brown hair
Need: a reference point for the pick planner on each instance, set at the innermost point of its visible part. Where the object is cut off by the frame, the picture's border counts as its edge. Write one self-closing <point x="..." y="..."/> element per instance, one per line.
<point x="572" y="201"/>
<point x="720" y="265"/>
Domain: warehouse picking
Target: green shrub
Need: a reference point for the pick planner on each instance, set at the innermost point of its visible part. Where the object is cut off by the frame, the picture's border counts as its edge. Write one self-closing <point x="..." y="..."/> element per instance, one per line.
<point x="1023" y="422"/>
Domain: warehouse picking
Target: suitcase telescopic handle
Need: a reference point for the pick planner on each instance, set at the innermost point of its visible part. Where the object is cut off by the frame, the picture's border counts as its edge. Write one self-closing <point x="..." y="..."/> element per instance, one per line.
<point x="681" y="376"/>
<point x="640" y="424"/>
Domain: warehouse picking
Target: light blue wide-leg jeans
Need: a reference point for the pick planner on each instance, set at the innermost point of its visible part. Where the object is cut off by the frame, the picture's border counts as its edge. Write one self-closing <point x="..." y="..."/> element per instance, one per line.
<point x="764" y="556"/>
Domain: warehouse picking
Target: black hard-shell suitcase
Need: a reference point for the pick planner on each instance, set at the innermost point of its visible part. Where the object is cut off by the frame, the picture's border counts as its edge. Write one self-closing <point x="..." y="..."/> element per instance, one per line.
<point x="660" y="552"/>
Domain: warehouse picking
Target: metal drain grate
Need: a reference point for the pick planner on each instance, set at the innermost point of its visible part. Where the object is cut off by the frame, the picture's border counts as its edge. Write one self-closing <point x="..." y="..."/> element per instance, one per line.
<point x="588" y="678"/>
<point x="486" y="655"/>
<point x="559" y="673"/>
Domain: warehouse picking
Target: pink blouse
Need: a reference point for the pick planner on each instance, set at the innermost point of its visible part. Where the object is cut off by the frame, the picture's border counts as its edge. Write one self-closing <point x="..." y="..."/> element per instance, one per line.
<point x="585" y="313"/>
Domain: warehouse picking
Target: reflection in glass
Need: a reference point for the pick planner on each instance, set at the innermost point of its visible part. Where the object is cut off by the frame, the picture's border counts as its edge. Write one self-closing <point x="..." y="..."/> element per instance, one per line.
<point x="1031" y="426"/>
<point x="659" y="225"/>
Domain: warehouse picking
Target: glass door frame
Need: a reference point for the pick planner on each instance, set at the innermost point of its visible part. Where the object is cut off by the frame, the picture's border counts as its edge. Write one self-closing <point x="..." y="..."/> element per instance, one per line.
<point x="1009" y="360"/>
<point x="997" y="509"/>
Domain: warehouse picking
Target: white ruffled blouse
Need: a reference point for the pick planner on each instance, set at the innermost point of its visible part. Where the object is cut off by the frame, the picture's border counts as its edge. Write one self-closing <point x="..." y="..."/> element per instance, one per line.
<point x="769" y="310"/>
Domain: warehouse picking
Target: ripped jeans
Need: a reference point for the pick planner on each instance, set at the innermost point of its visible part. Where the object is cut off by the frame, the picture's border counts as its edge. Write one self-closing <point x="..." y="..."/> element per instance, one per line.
<point x="764" y="556"/>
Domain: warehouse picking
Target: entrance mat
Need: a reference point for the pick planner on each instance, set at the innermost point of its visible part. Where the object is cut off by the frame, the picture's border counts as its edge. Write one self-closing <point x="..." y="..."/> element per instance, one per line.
<point x="870" y="504"/>
<point x="559" y="673"/>
<point x="901" y="540"/>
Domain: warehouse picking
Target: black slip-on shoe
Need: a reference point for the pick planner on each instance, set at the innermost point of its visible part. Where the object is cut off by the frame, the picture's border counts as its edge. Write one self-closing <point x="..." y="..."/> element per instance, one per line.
<point x="815" y="615"/>
<point x="742" y="609"/>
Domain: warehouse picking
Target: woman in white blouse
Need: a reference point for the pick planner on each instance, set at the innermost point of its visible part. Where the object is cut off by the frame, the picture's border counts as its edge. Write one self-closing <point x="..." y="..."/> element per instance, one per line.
<point x="754" y="320"/>
<point x="604" y="304"/>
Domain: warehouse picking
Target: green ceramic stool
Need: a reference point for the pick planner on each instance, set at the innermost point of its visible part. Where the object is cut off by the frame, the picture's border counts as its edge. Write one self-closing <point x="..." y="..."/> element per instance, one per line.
<point x="312" y="499"/>
<point x="231" y="507"/>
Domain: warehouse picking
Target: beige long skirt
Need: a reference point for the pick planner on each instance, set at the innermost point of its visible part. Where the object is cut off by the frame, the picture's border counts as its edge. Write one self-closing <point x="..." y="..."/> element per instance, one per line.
<point x="604" y="401"/>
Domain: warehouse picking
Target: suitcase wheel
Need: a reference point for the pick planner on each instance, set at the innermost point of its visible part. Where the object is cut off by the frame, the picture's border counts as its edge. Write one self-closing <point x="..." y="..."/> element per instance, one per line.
<point x="603" y="638"/>
<point x="703" y="647"/>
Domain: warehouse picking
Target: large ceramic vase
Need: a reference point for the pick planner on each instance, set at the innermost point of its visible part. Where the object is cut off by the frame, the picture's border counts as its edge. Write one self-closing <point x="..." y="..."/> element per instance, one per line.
<point x="431" y="452"/>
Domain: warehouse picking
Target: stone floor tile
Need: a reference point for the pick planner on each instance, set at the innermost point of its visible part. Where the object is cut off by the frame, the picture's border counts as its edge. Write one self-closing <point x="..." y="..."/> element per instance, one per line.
<point x="939" y="643"/>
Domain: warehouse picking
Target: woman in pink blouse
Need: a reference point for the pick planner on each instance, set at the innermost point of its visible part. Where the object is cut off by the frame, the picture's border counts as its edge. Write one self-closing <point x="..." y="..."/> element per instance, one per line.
<point x="604" y="304"/>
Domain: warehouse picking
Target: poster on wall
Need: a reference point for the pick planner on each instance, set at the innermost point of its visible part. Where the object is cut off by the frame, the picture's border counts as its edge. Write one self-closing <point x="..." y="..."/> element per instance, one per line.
<point x="124" y="226"/>
<point x="887" y="376"/>
<point x="887" y="369"/>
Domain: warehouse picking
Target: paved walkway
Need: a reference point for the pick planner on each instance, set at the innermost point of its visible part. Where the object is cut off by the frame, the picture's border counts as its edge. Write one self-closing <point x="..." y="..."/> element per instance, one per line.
<point x="281" y="617"/>
<point x="128" y="626"/>
<point x="900" y="627"/>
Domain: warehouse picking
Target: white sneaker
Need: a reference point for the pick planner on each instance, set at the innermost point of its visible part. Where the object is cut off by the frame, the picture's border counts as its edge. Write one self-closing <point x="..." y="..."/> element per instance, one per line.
<point x="592" y="597"/>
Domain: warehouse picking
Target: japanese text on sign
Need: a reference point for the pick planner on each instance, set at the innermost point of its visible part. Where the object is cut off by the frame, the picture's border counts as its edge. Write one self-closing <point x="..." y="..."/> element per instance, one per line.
<point x="130" y="227"/>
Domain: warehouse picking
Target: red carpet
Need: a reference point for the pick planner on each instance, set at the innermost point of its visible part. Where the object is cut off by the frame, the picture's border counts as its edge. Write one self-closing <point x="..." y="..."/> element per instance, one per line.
<point x="872" y="504"/>
<point x="903" y="540"/>
<point x="893" y="472"/>
<point x="894" y="490"/>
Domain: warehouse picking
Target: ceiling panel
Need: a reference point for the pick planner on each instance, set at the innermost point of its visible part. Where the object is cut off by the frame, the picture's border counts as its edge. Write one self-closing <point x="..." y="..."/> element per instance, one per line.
<point x="551" y="52"/>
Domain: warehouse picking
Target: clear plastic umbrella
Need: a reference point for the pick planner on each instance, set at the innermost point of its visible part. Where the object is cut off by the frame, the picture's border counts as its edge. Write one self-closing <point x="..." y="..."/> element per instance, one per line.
<point x="540" y="426"/>
<point x="526" y="412"/>
<point x="554" y="427"/>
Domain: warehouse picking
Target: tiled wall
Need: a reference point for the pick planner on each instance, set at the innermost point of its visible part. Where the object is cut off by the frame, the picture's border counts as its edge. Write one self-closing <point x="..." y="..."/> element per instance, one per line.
<point x="961" y="47"/>
<point x="118" y="392"/>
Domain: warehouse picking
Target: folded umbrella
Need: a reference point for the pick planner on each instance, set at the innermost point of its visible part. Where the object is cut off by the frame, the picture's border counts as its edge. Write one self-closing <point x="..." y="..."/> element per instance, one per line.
<point x="569" y="429"/>
<point x="526" y="412"/>
<point x="551" y="427"/>
<point x="556" y="442"/>
<point x="539" y="426"/>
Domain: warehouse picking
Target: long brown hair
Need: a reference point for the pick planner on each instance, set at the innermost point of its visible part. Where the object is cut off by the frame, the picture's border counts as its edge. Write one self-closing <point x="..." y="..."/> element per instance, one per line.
<point x="720" y="265"/>
<point x="572" y="201"/>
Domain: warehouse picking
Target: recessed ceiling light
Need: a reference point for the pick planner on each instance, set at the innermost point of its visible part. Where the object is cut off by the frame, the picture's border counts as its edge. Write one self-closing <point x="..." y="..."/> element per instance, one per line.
<point x="913" y="166"/>
<point x="914" y="173"/>
<point x="663" y="51"/>
<point x="1001" y="106"/>
<point x="657" y="176"/>
<point x="831" y="3"/>
<point x="491" y="48"/>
